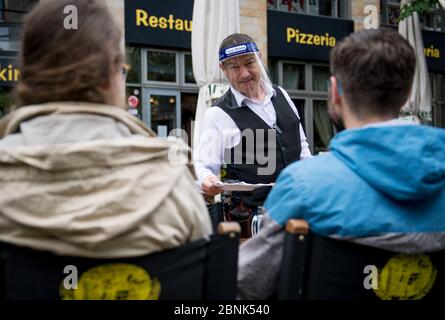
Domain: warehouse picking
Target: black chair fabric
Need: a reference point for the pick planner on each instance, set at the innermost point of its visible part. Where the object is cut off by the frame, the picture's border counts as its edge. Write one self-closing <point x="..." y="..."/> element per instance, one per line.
<point x="320" y="268"/>
<point x="198" y="270"/>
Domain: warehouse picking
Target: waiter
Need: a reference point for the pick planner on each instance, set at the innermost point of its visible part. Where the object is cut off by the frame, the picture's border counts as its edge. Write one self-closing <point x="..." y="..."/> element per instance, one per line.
<point x="254" y="129"/>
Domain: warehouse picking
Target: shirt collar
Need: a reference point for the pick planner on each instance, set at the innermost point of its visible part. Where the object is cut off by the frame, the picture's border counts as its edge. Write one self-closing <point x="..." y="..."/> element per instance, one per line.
<point x="242" y="99"/>
<point x="392" y="122"/>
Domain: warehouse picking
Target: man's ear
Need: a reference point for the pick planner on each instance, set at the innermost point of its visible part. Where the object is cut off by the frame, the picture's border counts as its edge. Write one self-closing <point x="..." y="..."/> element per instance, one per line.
<point x="409" y="94"/>
<point x="335" y="91"/>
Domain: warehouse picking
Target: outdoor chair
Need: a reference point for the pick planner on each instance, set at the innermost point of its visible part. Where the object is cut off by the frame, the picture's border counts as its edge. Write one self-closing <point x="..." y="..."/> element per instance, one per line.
<point x="201" y="269"/>
<point x="320" y="268"/>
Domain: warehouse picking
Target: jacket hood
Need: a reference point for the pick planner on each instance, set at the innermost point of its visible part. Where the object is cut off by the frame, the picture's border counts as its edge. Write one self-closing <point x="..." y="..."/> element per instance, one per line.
<point x="84" y="177"/>
<point x="406" y="162"/>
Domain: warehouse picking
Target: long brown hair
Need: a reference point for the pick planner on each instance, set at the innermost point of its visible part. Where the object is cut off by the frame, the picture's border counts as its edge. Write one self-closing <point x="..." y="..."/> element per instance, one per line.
<point x="59" y="64"/>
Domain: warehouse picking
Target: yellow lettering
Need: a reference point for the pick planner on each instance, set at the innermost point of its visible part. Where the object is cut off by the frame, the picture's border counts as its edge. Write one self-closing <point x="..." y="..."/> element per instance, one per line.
<point x="170" y="22"/>
<point x="153" y="21"/>
<point x="317" y="40"/>
<point x="303" y="38"/>
<point x="16" y="75"/>
<point x="188" y="25"/>
<point x="10" y="73"/>
<point x="432" y="52"/>
<point x="144" y="19"/>
<point x="290" y="34"/>
<point x="141" y="17"/>
<point x="179" y="25"/>
<point x="163" y="22"/>
<point x="310" y="36"/>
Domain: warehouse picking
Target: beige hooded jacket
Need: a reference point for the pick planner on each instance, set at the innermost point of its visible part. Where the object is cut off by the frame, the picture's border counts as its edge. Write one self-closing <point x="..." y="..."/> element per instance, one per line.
<point x="90" y="180"/>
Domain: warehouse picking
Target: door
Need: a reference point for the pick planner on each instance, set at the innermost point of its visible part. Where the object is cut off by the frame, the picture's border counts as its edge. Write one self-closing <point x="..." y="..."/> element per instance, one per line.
<point x="161" y="110"/>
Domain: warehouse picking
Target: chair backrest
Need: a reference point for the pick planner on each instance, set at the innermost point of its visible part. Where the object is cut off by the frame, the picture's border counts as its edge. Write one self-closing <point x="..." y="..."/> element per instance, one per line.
<point x="201" y="269"/>
<point x="321" y="268"/>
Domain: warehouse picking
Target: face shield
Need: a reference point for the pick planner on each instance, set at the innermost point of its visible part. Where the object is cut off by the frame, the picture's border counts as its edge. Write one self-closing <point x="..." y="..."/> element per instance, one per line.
<point x="243" y="67"/>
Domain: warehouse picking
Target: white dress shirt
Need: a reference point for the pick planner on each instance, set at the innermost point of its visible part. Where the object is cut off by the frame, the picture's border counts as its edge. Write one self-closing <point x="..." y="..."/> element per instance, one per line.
<point x="218" y="131"/>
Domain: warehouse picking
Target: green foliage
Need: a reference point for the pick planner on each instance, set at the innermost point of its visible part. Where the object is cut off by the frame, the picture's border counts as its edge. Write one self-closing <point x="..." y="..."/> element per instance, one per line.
<point x="419" y="6"/>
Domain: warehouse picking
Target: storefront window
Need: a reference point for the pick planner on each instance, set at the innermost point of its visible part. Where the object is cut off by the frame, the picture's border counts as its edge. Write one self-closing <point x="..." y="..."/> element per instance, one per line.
<point x="320" y="76"/>
<point x="322" y="7"/>
<point x="432" y="85"/>
<point x="14" y="11"/>
<point x="310" y="100"/>
<point x="440" y="20"/>
<point x="2" y="8"/>
<point x="427" y="20"/>
<point x="163" y="113"/>
<point x="332" y="8"/>
<point x="5" y="100"/>
<point x="161" y="66"/>
<point x="291" y="5"/>
<point x="11" y="16"/>
<point x="300" y="105"/>
<point x="433" y="19"/>
<point x="293" y="76"/>
<point x="437" y="82"/>
<point x="134" y="59"/>
<point x="323" y="130"/>
<point x="273" y="70"/>
<point x="188" y="112"/>
<point x="441" y="104"/>
<point x="393" y="14"/>
<point x="188" y="69"/>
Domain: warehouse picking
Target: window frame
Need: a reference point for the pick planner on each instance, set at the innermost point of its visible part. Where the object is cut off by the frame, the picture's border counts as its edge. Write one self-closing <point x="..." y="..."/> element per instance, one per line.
<point x="144" y="67"/>
<point x="308" y="95"/>
<point x="386" y="4"/>
<point x="280" y="73"/>
<point x="336" y="14"/>
<point x="183" y="82"/>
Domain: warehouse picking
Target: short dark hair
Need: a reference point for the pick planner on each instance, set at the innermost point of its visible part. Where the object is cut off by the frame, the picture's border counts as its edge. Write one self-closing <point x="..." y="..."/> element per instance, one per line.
<point x="67" y="65"/>
<point x="234" y="39"/>
<point x="376" y="70"/>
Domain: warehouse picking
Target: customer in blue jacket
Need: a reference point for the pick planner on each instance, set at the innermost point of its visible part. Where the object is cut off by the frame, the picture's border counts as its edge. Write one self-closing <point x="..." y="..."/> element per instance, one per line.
<point x="382" y="184"/>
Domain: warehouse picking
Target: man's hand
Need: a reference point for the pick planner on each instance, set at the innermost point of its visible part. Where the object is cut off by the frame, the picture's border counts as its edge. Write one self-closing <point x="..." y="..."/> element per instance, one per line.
<point x="209" y="186"/>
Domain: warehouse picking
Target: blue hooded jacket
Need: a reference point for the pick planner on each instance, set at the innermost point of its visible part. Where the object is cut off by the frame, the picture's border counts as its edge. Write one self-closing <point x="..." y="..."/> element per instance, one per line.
<point x="375" y="180"/>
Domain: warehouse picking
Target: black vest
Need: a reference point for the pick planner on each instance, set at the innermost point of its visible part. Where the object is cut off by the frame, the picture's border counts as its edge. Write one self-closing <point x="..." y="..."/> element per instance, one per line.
<point x="246" y="159"/>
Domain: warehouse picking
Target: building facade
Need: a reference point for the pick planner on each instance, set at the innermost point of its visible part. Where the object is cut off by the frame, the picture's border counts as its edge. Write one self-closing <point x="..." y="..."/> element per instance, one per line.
<point x="295" y="37"/>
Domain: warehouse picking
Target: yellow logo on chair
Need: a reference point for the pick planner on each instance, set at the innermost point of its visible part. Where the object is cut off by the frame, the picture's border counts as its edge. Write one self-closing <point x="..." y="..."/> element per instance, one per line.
<point x="117" y="281"/>
<point x="406" y="277"/>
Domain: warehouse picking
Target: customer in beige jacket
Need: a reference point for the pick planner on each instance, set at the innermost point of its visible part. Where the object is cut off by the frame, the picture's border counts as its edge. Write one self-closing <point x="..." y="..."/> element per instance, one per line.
<point x="86" y="178"/>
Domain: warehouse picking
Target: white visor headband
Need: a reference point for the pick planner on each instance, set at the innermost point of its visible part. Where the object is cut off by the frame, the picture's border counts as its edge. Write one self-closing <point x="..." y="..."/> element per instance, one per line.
<point x="238" y="50"/>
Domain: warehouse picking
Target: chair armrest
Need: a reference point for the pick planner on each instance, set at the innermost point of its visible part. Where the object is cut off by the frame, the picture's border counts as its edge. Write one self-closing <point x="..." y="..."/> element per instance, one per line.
<point x="228" y="228"/>
<point x="297" y="226"/>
